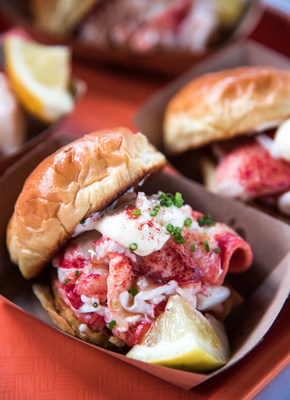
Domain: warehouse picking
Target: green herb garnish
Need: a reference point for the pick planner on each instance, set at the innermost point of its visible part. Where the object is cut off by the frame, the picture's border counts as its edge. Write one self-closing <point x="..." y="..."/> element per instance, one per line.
<point x="206" y="246"/>
<point x="133" y="246"/>
<point x="112" y="324"/>
<point x="170" y="228"/>
<point x="217" y="250"/>
<point x="178" y="200"/>
<point x="115" y="305"/>
<point x="154" y="212"/>
<point x="180" y="239"/>
<point x="77" y="273"/>
<point x="175" y="233"/>
<point x="133" y="291"/>
<point x="167" y="200"/>
<point x="136" y="212"/>
<point x="206" y="220"/>
<point x="178" y="230"/>
<point x="66" y="281"/>
<point x="83" y="222"/>
<point x="95" y="304"/>
<point x="192" y="248"/>
<point x="187" y="222"/>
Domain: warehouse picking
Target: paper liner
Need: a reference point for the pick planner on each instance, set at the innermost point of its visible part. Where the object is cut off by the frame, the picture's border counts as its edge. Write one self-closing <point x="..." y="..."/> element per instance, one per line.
<point x="264" y="286"/>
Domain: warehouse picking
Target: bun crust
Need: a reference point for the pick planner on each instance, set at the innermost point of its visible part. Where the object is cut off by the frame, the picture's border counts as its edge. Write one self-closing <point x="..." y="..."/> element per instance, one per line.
<point x="225" y="104"/>
<point x="63" y="317"/>
<point x="81" y="178"/>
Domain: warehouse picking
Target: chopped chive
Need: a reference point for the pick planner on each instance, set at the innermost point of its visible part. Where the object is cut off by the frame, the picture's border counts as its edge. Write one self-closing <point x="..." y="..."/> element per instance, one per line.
<point x="187" y="222"/>
<point x="206" y="220"/>
<point x="136" y="212"/>
<point x="206" y="246"/>
<point x="175" y="233"/>
<point x="166" y="202"/>
<point x="95" y="304"/>
<point x="133" y="246"/>
<point x="217" y="250"/>
<point x="178" y="203"/>
<point x="112" y="324"/>
<point x="170" y="228"/>
<point x="178" y="200"/>
<point x="180" y="239"/>
<point x="115" y="304"/>
<point x="192" y="248"/>
<point x="178" y="229"/>
<point x="77" y="273"/>
<point x="83" y="222"/>
<point x="204" y="232"/>
<point x="133" y="291"/>
<point x="66" y="281"/>
<point x="154" y="212"/>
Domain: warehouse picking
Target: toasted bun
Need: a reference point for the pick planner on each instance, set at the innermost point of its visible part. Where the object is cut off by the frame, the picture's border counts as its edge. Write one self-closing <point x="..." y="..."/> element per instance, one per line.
<point x="225" y="104"/>
<point x="81" y="178"/>
<point x="60" y="16"/>
<point x="63" y="317"/>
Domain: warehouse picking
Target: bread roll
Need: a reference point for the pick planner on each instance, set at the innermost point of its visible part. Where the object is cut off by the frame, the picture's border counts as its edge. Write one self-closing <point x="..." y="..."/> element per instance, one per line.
<point x="81" y="178"/>
<point x="225" y="104"/>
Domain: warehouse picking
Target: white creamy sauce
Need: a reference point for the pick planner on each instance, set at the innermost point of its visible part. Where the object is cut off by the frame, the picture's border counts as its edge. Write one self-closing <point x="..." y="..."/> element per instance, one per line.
<point x="149" y="233"/>
<point x="279" y="147"/>
<point x="84" y="328"/>
<point x="270" y="145"/>
<point x="282" y="139"/>
<point x="214" y="295"/>
<point x="283" y="203"/>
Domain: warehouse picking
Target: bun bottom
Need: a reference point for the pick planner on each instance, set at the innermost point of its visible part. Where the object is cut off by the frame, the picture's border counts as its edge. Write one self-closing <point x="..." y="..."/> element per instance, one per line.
<point x="63" y="317"/>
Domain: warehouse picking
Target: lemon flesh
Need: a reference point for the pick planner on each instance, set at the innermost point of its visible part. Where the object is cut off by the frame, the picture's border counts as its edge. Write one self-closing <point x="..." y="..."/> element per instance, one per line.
<point x="183" y="338"/>
<point x="40" y="76"/>
<point x="230" y="11"/>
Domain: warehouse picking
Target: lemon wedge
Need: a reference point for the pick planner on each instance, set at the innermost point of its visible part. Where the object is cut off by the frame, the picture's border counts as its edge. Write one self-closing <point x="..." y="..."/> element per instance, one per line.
<point x="39" y="75"/>
<point x="183" y="338"/>
<point x="230" y="11"/>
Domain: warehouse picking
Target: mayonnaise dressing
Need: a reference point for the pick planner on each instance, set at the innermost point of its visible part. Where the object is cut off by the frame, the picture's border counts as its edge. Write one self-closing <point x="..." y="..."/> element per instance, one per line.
<point x="270" y="145"/>
<point x="282" y="139"/>
<point x="149" y="233"/>
<point x="283" y="203"/>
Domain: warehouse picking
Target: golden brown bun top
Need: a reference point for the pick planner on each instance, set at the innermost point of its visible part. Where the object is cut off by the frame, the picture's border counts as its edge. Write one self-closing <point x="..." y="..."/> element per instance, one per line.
<point x="224" y="104"/>
<point x="83" y="177"/>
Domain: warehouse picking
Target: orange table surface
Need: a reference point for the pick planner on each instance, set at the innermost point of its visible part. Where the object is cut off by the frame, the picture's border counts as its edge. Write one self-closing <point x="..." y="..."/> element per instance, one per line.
<point x="38" y="362"/>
